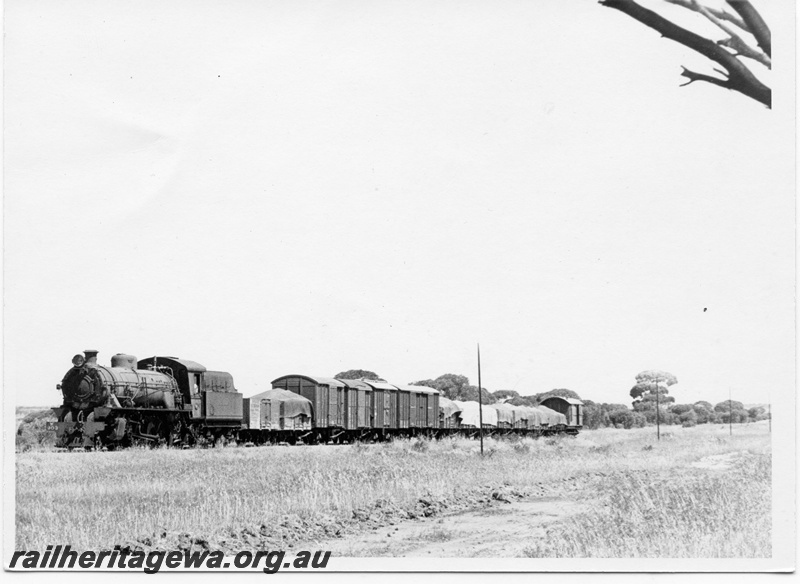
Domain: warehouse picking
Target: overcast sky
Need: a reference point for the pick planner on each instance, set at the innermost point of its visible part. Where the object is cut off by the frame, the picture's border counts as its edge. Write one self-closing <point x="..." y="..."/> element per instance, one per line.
<point x="307" y="187"/>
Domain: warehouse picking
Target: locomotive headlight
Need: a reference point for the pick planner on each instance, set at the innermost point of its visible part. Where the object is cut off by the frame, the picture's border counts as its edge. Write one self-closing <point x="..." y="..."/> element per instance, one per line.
<point x="78" y="360"/>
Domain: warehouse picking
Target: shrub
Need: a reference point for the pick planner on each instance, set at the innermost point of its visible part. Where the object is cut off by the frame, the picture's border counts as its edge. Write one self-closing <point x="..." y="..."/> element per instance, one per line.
<point x="421" y="445"/>
<point x="33" y="433"/>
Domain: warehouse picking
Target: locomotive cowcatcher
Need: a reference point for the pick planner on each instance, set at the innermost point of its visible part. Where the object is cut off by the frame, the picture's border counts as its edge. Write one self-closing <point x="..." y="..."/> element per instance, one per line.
<point x="158" y="400"/>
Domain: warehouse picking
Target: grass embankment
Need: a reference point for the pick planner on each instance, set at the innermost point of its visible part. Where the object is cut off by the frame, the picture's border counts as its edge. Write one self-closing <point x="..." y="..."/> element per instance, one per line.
<point x="644" y="491"/>
<point x="689" y="513"/>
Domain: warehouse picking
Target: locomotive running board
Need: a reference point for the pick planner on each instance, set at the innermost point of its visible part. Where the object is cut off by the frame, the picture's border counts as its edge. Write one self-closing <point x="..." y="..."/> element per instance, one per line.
<point x="102" y="411"/>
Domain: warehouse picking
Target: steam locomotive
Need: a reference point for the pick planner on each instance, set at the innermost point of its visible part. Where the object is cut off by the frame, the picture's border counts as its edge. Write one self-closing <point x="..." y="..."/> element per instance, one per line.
<point x="176" y="402"/>
<point x="161" y="400"/>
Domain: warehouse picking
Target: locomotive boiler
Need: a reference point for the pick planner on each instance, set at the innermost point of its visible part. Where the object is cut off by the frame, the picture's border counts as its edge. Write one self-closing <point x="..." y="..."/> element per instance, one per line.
<point x="158" y="400"/>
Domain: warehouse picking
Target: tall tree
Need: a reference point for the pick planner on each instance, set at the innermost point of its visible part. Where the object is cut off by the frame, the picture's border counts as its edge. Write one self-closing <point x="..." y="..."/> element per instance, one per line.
<point x="745" y="36"/>
<point x="652" y="382"/>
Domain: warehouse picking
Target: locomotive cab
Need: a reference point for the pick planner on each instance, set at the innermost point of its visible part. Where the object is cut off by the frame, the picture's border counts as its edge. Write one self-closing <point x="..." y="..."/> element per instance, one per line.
<point x="210" y="395"/>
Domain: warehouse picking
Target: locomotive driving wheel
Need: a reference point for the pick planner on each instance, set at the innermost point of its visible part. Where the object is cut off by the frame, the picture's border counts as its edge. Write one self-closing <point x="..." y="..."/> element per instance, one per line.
<point x="155" y="431"/>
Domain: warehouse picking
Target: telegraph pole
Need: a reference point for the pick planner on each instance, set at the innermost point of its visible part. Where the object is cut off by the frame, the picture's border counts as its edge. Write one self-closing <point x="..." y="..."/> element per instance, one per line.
<point x="769" y="412"/>
<point x="480" y="399"/>
<point x="658" y="412"/>
<point x="730" y="413"/>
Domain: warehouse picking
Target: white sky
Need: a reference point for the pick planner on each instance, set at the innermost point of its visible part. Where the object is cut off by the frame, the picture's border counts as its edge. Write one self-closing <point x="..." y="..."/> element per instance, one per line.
<point x="275" y="187"/>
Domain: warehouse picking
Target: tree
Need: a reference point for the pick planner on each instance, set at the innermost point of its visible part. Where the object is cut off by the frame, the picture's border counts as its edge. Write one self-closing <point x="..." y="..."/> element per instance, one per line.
<point x="457" y="387"/>
<point x="627" y="419"/>
<point x="622" y="418"/>
<point x="688" y="418"/>
<point x="647" y="409"/>
<point x="540" y="397"/>
<point x="652" y="382"/>
<point x="705" y="412"/>
<point x="681" y="409"/>
<point x="505" y="394"/>
<point x="650" y="392"/>
<point x="757" y="413"/>
<point x="728" y="405"/>
<point x="527" y="401"/>
<point x="358" y="374"/>
<point x="639" y="421"/>
<point x="747" y="36"/>
<point x="731" y="411"/>
<point x="599" y="415"/>
<point x="593" y="415"/>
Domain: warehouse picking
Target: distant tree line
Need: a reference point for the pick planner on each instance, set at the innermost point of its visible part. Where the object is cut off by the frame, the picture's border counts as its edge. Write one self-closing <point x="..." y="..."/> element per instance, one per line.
<point x="602" y="415"/>
<point x="651" y="388"/>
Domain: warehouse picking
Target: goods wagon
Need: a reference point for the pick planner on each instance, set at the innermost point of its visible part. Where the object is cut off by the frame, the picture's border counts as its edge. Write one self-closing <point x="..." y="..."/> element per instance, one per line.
<point x="449" y="411"/>
<point x="358" y="404"/>
<point x="276" y="415"/>
<point x="418" y="407"/>
<point x="520" y="418"/>
<point x="384" y="405"/>
<point x="505" y="415"/>
<point x="570" y="408"/>
<point x="470" y="415"/>
<point x="554" y="421"/>
<point x="327" y="397"/>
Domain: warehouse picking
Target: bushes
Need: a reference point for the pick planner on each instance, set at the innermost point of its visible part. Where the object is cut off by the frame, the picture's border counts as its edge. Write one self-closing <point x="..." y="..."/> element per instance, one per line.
<point x="639" y="421"/>
<point x="32" y="432"/>
<point x="705" y="413"/>
<point x="644" y="413"/>
<point x="688" y="419"/>
<point x="627" y="419"/>
<point x="757" y="414"/>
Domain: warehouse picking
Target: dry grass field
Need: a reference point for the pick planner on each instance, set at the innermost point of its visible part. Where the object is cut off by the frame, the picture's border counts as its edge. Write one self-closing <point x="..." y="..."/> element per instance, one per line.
<point x="696" y="493"/>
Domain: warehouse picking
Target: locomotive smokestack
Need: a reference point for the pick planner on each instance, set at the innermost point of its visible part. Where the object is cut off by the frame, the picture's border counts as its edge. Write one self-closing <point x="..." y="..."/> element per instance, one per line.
<point x="91" y="358"/>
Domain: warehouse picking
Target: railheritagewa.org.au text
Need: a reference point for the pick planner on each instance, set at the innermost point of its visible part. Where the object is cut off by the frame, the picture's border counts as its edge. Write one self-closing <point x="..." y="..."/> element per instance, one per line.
<point x="64" y="558"/>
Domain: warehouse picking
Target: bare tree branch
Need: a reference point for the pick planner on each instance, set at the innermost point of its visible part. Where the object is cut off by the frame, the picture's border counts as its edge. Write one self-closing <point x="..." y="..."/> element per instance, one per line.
<point x="721" y="14"/>
<point x="740" y="78"/>
<point x="738" y="45"/>
<point x="734" y="41"/>
<point x="692" y="76"/>
<point x="755" y="24"/>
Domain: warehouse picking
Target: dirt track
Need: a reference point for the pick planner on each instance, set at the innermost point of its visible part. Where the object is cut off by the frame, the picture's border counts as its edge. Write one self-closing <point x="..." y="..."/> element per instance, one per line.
<point x="502" y="527"/>
<point x="499" y="530"/>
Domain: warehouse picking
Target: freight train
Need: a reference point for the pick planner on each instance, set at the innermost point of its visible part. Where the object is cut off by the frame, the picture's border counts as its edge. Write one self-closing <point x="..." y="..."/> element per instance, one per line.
<point x="176" y="402"/>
